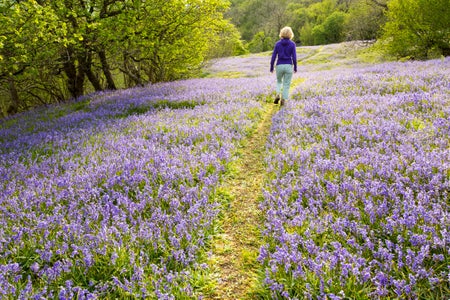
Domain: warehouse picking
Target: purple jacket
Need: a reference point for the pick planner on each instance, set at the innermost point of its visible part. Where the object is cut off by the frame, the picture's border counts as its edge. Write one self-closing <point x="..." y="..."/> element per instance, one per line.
<point x="285" y="49"/>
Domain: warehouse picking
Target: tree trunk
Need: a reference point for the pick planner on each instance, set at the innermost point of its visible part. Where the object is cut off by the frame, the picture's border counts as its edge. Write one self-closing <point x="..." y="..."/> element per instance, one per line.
<point x="75" y="75"/>
<point x="107" y="71"/>
<point x="132" y="73"/>
<point x="15" y="104"/>
<point x="86" y="65"/>
<point x="93" y="79"/>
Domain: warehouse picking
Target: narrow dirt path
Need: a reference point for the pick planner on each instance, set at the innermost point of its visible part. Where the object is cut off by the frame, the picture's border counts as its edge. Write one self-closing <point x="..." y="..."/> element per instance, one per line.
<point x="235" y="250"/>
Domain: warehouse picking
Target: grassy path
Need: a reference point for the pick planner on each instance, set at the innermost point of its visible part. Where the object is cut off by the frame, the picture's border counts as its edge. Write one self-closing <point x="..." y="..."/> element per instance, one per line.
<point x="235" y="250"/>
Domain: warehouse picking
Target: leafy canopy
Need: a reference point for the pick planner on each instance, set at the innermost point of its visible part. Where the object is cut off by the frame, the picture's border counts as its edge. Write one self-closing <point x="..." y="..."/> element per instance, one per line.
<point x="418" y="28"/>
<point x="52" y="50"/>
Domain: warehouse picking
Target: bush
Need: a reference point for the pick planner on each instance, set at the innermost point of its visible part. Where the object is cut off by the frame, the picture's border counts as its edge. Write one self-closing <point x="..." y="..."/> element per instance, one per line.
<point x="331" y="30"/>
<point x="417" y="29"/>
<point x="260" y="43"/>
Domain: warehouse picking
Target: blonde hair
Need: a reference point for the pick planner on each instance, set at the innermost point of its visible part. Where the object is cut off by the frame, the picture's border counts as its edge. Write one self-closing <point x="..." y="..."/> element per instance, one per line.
<point x="286" y="33"/>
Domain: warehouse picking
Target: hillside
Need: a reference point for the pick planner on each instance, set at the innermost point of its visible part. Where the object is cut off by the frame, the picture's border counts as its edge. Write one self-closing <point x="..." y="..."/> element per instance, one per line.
<point x="310" y="58"/>
<point x="205" y="188"/>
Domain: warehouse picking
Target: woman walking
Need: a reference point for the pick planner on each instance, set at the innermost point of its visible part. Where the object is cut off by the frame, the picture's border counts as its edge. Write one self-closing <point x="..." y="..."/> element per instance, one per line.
<point x="285" y="51"/>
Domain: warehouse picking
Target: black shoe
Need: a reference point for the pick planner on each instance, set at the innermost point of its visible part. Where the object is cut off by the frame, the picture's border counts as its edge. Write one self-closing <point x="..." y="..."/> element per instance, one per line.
<point x="282" y="102"/>
<point x="277" y="98"/>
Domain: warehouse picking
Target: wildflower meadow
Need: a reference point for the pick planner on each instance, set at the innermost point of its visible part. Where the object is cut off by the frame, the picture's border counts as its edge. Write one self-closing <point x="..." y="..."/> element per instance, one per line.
<point x="114" y="195"/>
<point x="357" y="197"/>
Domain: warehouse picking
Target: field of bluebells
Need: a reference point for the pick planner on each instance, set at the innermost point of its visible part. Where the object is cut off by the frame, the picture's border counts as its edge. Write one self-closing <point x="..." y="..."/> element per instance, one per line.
<point x="115" y="195"/>
<point x="357" y="201"/>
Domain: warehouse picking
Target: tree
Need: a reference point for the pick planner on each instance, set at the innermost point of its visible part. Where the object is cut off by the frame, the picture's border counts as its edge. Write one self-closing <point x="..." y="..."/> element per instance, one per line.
<point x="324" y="23"/>
<point x="228" y="43"/>
<point x="365" y="19"/>
<point x="83" y="53"/>
<point x="319" y="22"/>
<point x="255" y="16"/>
<point x="417" y="28"/>
<point x="334" y="27"/>
<point x="309" y="19"/>
<point x="169" y="39"/>
<point x="28" y="33"/>
<point x="52" y="50"/>
<point x="261" y="42"/>
<point x="306" y="34"/>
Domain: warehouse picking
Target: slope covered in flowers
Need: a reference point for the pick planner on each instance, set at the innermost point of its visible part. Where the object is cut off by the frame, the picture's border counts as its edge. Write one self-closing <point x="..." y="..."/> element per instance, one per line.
<point x="114" y="195"/>
<point x="357" y="199"/>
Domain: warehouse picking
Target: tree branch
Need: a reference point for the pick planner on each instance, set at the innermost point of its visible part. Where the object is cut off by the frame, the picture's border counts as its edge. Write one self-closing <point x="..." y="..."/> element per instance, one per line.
<point x="379" y="3"/>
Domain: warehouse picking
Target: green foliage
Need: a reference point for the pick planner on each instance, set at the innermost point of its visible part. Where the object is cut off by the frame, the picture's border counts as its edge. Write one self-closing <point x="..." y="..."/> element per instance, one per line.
<point x="173" y="38"/>
<point x="186" y="104"/>
<point x="28" y="33"/>
<point x="331" y="30"/>
<point x="53" y="50"/>
<point x="227" y="43"/>
<point x="160" y="104"/>
<point x="260" y="43"/>
<point x="313" y="21"/>
<point x="306" y="34"/>
<point x="255" y="16"/>
<point x="417" y="28"/>
<point x="364" y="21"/>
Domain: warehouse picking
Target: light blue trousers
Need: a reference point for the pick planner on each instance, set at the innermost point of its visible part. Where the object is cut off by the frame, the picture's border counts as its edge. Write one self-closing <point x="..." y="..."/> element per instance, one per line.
<point x="284" y="77"/>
